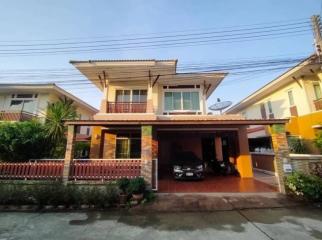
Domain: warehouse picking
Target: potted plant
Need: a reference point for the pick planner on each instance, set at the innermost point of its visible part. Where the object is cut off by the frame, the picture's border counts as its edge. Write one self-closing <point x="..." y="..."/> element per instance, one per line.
<point x="137" y="187"/>
<point x="123" y="185"/>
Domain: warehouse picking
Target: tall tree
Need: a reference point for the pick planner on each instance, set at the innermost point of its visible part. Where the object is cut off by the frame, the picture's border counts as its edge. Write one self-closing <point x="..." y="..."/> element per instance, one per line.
<point x="57" y="113"/>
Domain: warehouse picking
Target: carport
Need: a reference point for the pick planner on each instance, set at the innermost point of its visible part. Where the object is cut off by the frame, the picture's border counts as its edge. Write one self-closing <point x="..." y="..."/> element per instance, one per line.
<point x="208" y="144"/>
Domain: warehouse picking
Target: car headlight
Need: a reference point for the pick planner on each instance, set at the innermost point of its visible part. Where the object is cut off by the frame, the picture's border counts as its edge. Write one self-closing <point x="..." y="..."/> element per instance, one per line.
<point x="177" y="168"/>
<point x="199" y="167"/>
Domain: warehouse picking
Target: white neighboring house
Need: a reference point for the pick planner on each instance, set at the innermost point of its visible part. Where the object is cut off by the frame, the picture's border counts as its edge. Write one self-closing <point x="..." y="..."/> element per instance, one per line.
<point x="19" y="102"/>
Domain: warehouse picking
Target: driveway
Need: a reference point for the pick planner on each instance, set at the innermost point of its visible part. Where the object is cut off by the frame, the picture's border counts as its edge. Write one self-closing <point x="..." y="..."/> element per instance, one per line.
<point x="278" y="223"/>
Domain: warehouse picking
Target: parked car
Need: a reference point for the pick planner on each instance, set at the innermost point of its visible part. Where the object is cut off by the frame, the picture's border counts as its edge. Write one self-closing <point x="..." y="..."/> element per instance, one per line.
<point x="188" y="166"/>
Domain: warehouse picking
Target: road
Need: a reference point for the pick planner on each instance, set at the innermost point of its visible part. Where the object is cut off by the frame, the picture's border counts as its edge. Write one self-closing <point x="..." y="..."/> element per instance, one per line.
<point x="281" y="223"/>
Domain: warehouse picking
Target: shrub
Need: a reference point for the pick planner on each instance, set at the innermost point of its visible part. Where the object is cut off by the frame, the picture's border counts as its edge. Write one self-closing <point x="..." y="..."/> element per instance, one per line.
<point x="296" y="145"/>
<point x="123" y="185"/>
<point x="21" y="141"/>
<point x="306" y="186"/>
<point x="111" y="194"/>
<point x="318" y="140"/>
<point x="137" y="185"/>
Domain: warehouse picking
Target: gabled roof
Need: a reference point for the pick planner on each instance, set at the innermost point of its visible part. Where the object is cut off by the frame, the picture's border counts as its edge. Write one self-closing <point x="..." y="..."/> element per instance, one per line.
<point x="165" y="71"/>
<point x="123" y="60"/>
<point x="42" y="87"/>
<point x="284" y="79"/>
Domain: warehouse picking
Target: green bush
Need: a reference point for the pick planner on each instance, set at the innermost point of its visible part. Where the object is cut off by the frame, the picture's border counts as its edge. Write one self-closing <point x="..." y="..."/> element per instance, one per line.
<point x="111" y="195"/>
<point x="318" y="140"/>
<point x="21" y="141"/>
<point x="306" y="186"/>
<point x="123" y="185"/>
<point x="137" y="185"/>
<point x="296" y="145"/>
<point x="56" y="193"/>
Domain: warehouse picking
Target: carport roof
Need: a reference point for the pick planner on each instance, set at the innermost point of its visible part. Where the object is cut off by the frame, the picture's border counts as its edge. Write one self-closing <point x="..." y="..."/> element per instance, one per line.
<point x="178" y="122"/>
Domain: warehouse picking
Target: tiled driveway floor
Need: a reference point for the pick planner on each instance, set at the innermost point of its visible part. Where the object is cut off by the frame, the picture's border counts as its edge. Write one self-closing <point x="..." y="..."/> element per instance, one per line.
<point x="214" y="184"/>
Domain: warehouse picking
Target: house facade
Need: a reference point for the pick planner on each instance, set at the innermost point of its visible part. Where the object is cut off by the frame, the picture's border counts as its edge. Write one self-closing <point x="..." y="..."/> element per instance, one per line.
<point x="19" y="102"/>
<point x="149" y="112"/>
<point x="296" y="95"/>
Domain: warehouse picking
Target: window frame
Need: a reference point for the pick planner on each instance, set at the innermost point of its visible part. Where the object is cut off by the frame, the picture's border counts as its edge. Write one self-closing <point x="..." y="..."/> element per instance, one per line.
<point x="291" y="103"/>
<point x="23" y="99"/>
<point x="181" y="91"/>
<point x="270" y="107"/>
<point x="131" y="95"/>
<point x="315" y="92"/>
<point x="129" y="138"/>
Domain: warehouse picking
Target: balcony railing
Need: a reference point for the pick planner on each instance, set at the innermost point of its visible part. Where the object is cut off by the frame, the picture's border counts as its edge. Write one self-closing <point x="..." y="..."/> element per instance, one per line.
<point x="126" y="107"/>
<point x="318" y="104"/>
<point x="15" y="116"/>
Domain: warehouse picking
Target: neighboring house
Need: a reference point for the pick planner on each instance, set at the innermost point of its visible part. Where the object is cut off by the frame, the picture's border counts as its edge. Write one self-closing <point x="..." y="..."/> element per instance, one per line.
<point x="19" y="102"/>
<point x="296" y="94"/>
<point x="149" y="112"/>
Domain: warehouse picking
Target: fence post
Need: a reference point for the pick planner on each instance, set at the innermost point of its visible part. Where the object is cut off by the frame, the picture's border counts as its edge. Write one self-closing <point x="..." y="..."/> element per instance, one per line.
<point x="69" y="155"/>
<point x="281" y="151"/>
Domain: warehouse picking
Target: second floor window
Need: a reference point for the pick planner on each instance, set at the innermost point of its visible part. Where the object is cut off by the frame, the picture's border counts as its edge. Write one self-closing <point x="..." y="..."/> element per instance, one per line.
<point x="290" y="97"/>
<point x="131" y="95"/>
<point x="23" y="102"/>
<point x="317" y="91"/>
<point x="176" y="101"/>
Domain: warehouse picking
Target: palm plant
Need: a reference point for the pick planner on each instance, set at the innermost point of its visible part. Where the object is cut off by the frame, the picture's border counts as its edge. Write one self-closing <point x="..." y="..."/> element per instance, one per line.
<point x="57" y="113"/>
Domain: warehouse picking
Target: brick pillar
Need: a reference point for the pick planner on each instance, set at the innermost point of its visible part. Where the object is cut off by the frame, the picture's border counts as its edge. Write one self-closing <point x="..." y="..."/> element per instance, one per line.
<point x="103" y="107"/>
<point x="69" y="155"/>
<point x="109" y="147"/>
<point x="148" y="153"/>
<point x="281" y="151"/>
<point x="149" y="102"/>
<point x="244" y="160"/>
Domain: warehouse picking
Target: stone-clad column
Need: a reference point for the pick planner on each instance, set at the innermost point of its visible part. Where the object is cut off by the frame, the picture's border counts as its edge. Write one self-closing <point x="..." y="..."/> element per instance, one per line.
<point x="281" y="151"/>
<point x="69" y="155"/>
<point x="148" y="153"/>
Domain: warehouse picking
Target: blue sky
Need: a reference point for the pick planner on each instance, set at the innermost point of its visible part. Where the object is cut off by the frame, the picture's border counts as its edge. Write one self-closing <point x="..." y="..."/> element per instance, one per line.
<point x="25" y="21"/>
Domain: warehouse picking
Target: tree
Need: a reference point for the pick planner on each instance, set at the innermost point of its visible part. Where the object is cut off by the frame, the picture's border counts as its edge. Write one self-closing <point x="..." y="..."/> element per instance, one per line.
<point x="21" y="141"/>
<point x="57" y="113"/>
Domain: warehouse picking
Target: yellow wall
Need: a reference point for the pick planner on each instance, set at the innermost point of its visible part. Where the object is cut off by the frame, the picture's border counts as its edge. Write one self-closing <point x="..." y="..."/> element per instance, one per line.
<point x="304" y="96"/>
<point x="302" y="125"/>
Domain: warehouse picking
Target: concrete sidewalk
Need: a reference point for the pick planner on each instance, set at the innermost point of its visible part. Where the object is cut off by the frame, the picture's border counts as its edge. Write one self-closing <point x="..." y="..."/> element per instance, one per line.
<point x="216" y="202"/>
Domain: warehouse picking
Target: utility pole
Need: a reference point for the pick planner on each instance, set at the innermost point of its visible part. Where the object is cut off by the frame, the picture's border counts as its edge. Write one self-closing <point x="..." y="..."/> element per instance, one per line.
<point x="316" y="25"/>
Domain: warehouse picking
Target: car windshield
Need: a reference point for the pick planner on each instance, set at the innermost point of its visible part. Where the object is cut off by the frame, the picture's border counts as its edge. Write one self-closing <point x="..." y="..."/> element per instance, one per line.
<point x="187" y="158"/>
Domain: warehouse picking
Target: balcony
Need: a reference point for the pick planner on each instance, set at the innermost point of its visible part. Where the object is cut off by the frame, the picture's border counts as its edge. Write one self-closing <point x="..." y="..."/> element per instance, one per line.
<point x="15" y="116"/>
<point x="126" y="107"/>
<point x="318" y="104"/>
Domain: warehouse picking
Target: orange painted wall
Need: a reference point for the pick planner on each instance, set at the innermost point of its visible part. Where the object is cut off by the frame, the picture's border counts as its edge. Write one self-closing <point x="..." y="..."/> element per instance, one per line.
<point x="95" y="142"/>
<point x="302" y="125"/>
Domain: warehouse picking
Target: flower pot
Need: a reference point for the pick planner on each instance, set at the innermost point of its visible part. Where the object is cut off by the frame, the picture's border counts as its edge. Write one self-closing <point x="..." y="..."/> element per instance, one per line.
<point x="123" y="199"/>
<point x="137" y="196"/>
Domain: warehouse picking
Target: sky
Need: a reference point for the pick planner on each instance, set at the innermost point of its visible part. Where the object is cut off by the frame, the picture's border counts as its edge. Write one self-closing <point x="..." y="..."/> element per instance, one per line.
<point x="33" y="21"/>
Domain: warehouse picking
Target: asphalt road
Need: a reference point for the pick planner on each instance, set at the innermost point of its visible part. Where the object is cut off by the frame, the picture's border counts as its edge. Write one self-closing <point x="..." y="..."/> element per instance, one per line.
<point x="281" y="223"/>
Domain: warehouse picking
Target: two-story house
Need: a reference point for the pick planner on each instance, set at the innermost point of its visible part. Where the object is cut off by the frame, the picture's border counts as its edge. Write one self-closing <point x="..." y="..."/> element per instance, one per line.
<point x="150" y="112"/>
<point x="19" y="102"/>
<point x="296" y="94"/>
